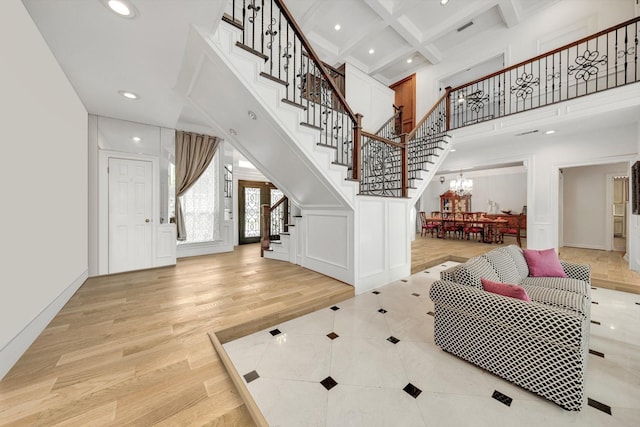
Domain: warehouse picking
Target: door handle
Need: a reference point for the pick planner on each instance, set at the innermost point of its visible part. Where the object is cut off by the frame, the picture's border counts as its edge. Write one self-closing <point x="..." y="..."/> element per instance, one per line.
<point x="147" y="220"/>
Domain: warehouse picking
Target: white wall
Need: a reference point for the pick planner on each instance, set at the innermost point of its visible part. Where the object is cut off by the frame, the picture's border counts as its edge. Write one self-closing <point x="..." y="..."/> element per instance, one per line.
<point x="368" y="97"/>
<point x="561" y="23"/>
<point x="507" y="187"/>
<point x="44" y="185"/>
<point x="585" y="210"/>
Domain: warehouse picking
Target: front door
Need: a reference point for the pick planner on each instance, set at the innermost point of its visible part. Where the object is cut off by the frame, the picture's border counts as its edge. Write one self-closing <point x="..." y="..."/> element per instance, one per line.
<point x="251" y="196"/>
<point x="130" y="221"/>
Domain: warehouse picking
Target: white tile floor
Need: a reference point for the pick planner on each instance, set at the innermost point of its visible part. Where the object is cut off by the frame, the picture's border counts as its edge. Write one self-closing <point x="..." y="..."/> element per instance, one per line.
<point x="371" y="371"/>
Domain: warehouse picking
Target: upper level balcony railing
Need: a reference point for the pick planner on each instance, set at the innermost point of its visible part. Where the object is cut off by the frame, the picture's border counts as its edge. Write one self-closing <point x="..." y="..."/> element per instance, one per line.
<point x="605" y="60"/>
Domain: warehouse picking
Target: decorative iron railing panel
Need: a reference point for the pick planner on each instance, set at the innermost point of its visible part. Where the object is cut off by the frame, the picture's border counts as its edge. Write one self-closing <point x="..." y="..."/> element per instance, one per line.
<point x="381" y="173"/>
<point x="268" y="29"/>
<point x="606" y="60"/>
<point x="278" y="214"/>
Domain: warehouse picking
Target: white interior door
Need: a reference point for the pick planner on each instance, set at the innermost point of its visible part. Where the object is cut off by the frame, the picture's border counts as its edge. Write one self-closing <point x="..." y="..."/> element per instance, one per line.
<point x="130" y="219"/>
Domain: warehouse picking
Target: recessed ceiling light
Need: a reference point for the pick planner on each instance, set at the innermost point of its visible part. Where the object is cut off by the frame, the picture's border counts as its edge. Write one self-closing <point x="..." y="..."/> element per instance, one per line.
<point x="337" y="27"/>
<point x="443" y="2"/>
<point x="452" y="150"/>
<point x="136" y="139"/>
<point x="371" y="51"/>
<point x="409" y="61"/>
<point x="252" y="115"/>
<point x="550" y="131"/>
<point x="128" y="95"/>
<point x="123" y="8"/>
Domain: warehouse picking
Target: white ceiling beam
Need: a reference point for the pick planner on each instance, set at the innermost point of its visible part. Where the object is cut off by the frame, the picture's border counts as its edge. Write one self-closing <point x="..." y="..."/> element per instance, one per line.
<point x="392" y="59"/>
<point x="510" y="12"/>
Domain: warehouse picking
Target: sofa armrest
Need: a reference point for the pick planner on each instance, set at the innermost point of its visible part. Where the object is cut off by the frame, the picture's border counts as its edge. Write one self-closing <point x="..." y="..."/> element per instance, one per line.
<point x="534" y="319"/>
<point x="577" y="271"/>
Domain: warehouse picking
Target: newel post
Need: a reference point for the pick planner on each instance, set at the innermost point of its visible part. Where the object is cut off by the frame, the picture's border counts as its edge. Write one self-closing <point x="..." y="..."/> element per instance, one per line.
<point x="355" y="155"/>
<point x="265" y="225"/>
<point x="448" y="107"/>
<point x="405" y="165"/>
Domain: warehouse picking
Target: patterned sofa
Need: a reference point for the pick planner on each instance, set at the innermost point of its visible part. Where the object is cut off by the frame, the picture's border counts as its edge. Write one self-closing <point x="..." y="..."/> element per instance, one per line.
<point x="540" y="345"/>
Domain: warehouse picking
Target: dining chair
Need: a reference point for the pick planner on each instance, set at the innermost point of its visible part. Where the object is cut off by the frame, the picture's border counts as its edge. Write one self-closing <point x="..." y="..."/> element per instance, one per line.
<point x="428" y="226"/>
<point x="471" y="227"/>
<point x="512" y="229"/>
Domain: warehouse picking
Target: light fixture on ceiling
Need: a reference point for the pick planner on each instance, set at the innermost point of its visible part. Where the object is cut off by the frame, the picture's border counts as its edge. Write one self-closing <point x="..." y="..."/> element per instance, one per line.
<point x="443" y="2"/>
<point x="123" y="8"/>
<point x="461" y="186"/>
<point x="371" y="51"/>
<point x="441" y="179"/>
<point x="136" y="139"/>
<point x="409" y="60"/>
<point x="461" y="98"/>
<point x="252" y="115"/>
<point x="550" y="131"/>
<point x="337" y="27"/>
<point x="128" y="94"/>
<point x="452" y="150"/>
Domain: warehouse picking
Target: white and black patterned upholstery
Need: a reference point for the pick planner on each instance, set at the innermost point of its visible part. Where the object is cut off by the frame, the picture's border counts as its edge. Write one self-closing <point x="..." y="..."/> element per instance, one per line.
<point x="568" y="284"/>
<point x="540" y="345"/>
<point x="577" y="271"/>
<point x="473" y="270"/>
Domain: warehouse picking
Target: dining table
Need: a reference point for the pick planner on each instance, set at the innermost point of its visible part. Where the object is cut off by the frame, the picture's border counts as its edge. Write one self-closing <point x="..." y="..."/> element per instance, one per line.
<point x="490" y="226"/>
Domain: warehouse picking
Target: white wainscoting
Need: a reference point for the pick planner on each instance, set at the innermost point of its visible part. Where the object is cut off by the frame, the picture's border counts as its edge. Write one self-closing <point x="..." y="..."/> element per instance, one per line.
<point x="166" y="245"/>
<point x="383" y="241"/>
<point x="206" y="248"/>
<point x="327" y="247"/>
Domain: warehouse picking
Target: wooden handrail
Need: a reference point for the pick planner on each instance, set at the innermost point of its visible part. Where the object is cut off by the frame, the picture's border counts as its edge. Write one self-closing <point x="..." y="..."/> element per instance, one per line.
<point x="315" y="58"/>
<point x="551" y="52"/>
<point x="378" y="138"/>
<point x="278" y="203"/>
<point x="426" y="116"/>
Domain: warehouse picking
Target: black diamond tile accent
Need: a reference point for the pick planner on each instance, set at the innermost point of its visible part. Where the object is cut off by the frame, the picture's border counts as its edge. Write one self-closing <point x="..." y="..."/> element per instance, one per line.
<point x="595" y="302"/>
<point x="595" y="289"/>
<point x="375" y="292"/>
<point x="595" y="322"/>
<point x="638" y="303"/>
<point x="426" y="271"/>
<point x="415" y="294"/>
<point x="253" y="375"/>
<point x="333" y="335"/>
<point x="600" y="406"/>
<point x="405" y="280"/>
<point x="443" y="265"/>
<point x="328" y="383"/>
<point x="382" y="310"/>
<point x="275" y="332"/>
<point x="393" y="339"/>
<point x="431" y="313"/>
<point x="502" y="398"/>
<point x="412" y="390"/>
<point x="335" y="308"/>
<point x="596" y="353"/>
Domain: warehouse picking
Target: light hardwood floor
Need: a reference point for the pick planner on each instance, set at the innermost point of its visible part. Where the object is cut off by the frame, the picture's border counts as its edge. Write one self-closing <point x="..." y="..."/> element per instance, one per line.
<point x="132" y="348"/>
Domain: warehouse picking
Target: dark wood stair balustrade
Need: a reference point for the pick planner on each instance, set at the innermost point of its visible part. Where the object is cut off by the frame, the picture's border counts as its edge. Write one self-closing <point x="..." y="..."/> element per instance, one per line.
<point x="273" y="222"/>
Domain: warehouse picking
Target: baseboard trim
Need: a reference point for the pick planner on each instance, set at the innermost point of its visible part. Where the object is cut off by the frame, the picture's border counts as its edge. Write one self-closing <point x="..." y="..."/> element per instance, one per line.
<point x="15" y="348"/>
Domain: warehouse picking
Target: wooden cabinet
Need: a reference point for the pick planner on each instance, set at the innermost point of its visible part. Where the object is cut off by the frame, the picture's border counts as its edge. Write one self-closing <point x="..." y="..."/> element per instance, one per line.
<point x="451" y="202"/>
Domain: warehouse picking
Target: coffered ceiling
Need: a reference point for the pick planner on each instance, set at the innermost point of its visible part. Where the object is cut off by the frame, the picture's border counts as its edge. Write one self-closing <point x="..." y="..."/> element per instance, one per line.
<point x="102" y="53"/>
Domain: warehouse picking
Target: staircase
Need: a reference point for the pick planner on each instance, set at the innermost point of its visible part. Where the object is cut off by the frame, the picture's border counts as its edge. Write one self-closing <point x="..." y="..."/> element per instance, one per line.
<point x="291" y="120"/>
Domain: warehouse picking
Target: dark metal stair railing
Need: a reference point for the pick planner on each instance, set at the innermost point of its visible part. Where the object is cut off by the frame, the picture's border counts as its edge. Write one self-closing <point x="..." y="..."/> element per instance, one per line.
<point x="602" y="61"/>
<point x="272" y="222"/>
<point x="270" y="32"/>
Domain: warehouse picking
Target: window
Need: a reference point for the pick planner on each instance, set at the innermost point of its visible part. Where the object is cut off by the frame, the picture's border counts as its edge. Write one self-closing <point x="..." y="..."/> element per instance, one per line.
<point x="200" y="207"/>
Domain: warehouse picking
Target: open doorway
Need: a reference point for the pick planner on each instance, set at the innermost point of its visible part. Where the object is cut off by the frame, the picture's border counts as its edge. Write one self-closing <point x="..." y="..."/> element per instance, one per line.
<point x="620" y="192"/>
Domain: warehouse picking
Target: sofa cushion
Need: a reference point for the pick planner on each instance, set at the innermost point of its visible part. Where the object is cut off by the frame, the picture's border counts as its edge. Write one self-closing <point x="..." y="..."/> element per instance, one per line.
<point x="571" y="301"/>
<point x="506" y="289"/>
<point x="504" y="264"/>
<point x="544" y="263"/>
<point x="470" y="272"/>
<point x="563" y="284"/>
<point x="518" y="257"/>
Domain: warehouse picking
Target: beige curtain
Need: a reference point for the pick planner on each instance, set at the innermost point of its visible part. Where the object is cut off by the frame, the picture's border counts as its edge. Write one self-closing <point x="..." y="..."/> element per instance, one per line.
<point x="193" y="155"/>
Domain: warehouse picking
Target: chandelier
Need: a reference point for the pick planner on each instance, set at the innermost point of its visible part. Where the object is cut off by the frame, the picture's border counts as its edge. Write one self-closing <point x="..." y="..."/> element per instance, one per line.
<point x="460" y="186"/>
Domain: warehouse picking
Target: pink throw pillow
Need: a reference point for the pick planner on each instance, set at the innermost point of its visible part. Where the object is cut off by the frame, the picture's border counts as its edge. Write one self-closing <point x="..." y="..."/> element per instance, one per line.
<point x="543" y="263"/>
<point x="513" y="291"/>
